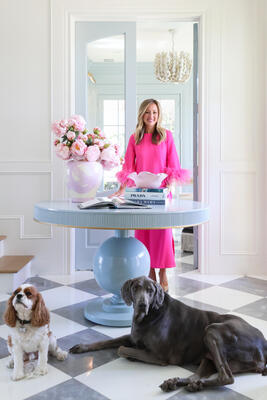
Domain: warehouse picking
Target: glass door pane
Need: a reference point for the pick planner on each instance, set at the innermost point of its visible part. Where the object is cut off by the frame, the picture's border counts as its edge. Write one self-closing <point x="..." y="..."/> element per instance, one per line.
<point x="106" y="88"/>
<point x="105" y="94"/>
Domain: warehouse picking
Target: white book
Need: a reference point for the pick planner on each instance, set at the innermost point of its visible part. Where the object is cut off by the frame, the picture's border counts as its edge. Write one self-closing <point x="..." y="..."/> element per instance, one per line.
<point x="106" y="202"/>
<point x="152" y="201"/>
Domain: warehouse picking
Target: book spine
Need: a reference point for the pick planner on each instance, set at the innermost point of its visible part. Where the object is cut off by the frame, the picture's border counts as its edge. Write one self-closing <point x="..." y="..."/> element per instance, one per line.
<point x="159" y="190"/>
<point x="151" y="202"/>
<point x="145" y="195"/>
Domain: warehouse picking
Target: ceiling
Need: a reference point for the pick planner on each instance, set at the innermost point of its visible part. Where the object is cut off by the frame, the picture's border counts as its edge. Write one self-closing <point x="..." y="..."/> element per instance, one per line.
<point x="150" y="38"/>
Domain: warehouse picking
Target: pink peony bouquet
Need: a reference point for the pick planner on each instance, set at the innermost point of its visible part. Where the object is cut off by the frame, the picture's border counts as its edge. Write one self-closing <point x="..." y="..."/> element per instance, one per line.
<point x="74" y="142"/>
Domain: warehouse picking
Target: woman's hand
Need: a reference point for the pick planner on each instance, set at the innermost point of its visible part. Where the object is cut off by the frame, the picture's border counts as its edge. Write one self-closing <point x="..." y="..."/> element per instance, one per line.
<point x="119" y="192"/>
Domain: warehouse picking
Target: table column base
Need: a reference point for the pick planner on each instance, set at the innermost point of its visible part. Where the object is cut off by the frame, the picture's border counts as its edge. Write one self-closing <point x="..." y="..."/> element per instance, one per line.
<point x="118" y="259"/>
<point x="104" y="312"/>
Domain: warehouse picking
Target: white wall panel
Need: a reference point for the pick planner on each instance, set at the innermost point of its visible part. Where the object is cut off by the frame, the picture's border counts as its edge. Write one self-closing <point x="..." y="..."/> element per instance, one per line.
<point x="238" y="213"/>
<point x="25" y="79"/>
<point x="23" y="190"/>
<point x="239" y="104"/>
<point x="25" y="150"/>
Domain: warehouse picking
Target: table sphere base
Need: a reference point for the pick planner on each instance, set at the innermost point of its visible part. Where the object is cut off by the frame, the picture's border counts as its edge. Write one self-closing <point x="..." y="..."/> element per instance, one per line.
<point x="118" y="259"/>
<point x="120" y="315"/>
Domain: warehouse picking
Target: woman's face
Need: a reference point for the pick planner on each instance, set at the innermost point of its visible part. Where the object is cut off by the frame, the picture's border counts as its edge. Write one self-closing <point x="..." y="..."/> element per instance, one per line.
<point x="150" y="116"/>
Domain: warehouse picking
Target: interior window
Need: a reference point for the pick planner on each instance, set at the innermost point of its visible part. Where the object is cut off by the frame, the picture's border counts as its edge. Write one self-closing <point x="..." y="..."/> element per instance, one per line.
<point x="168" y="114"/>
<point x="114" y="129"/>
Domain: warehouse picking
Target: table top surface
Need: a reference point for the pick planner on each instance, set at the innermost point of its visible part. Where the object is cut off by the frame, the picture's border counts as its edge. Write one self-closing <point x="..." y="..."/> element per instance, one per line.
<point x="175" y="213"/>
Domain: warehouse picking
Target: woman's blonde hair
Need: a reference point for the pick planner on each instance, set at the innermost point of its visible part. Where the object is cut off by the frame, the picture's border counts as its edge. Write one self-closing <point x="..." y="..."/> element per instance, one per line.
<point x="159" y="133"/>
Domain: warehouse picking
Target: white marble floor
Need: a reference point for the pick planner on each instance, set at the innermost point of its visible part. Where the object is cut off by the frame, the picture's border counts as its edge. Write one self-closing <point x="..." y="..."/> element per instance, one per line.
<point x="103" y="375"/>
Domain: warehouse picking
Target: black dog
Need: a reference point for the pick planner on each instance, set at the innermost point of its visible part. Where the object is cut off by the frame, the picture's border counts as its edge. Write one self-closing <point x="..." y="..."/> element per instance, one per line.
<point x="166" y="331"/>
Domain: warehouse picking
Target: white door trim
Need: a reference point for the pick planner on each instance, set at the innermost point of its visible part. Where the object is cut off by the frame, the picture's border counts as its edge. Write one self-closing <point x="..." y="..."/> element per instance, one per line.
<point x="63" y="20"/>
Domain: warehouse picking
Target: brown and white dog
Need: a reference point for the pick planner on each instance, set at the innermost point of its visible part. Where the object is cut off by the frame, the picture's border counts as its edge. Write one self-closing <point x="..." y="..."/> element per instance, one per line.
<point x="28" y="319"/>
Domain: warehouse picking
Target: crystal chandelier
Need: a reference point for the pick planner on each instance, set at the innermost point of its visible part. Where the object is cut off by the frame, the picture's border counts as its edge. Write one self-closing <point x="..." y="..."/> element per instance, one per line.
<point x="171" y="66"/>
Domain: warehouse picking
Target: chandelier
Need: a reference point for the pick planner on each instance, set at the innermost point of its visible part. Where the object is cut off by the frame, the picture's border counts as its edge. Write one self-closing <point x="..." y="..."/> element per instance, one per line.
<point x="171" y="66"/>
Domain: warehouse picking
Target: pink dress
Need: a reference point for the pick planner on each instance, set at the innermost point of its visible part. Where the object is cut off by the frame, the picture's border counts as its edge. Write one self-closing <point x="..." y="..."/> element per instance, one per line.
<point x="156" y="158"/>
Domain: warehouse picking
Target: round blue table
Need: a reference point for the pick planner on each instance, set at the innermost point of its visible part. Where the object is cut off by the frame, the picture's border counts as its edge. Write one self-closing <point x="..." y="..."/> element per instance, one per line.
<point x="120" y="257"/>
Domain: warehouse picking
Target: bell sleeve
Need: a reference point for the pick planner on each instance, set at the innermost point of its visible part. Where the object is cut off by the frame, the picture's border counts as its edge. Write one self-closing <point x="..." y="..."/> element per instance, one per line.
<point x="129" y="164"/>
<point x="173" y="167"/>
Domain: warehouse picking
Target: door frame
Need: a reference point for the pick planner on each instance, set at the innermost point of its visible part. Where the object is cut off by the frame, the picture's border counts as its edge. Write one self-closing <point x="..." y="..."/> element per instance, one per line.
<point x="63" y="21"/>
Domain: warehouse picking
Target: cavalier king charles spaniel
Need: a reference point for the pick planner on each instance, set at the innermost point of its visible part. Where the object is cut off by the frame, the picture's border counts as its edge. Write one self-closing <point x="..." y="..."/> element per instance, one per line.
<point x="28" y="318"/>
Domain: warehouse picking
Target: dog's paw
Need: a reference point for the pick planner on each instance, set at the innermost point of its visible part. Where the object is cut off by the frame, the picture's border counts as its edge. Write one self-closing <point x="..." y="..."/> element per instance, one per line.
<point x="169" y="385"/>
<point x="62" y="355"/>
<point x="195" y="386"/>
<point x="122" y="351"/>
<point x="16" y="376"/>
<point x="40" y="370"/>
<point x="78" y="348"/>
<point x="127" y="352"/>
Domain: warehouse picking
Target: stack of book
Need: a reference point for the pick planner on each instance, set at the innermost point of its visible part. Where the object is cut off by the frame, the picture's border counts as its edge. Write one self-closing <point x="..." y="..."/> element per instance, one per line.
<point x="147" y="196"/>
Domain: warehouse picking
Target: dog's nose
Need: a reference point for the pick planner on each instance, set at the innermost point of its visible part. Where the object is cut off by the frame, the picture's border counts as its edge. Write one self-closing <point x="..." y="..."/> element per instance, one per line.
<point x="19" y="296"/>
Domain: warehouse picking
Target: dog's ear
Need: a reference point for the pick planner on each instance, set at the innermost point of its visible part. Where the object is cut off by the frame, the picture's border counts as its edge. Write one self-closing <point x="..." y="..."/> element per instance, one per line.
<point x="158" y="296"/>
<point x="40" y="314"/>
<point x="126" y="292"/>
<point x="10" y="313"/>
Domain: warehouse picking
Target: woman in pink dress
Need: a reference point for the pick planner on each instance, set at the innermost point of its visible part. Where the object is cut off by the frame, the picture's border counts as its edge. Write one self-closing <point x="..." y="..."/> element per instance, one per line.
<point x="151" y="148"/>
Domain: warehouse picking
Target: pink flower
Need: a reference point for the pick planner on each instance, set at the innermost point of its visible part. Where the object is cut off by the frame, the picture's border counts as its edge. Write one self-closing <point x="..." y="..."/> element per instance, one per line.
<point x="78" y="122"/>
<point x="82" y="136"/>
<point x="58" y="129"/>
<point x="71" y="135"/>
<point x="109" y="158"/>
<point x="100" y="143"/>
<point x="92" y="153"/>
<point x="63" y="123"/>
<point x="78" y="149"/>
<point x="62" y="151"/>
<point x="73" y="141"/>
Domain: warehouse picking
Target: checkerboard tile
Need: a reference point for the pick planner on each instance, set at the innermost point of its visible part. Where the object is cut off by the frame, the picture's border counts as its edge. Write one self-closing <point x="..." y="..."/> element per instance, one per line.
<point x="71" y="389"/>
<point x="77" y="364"/>
<point x="223" y="297"/>
<point x="131" y="380"/>
<point x="43" y="283"/>
<point x="249" y="285"/>
<point x="102" y="375"/>
<point x="78" y="276"/>
<point x="256" y="309"/>
<point x="64" y="296"/>
<point x="90" y="286"/>
<point x="75" y="312"/>
<point x="183" y="287"/>
<point x="24" y="388"/>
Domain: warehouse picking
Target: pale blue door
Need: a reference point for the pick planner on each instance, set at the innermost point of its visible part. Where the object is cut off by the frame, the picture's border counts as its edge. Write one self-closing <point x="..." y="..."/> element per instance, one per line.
<point x="110" y="43"/>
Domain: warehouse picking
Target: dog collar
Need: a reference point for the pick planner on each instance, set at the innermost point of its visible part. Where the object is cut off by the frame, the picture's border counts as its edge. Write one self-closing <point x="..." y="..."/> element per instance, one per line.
<point x="23" y="321"/>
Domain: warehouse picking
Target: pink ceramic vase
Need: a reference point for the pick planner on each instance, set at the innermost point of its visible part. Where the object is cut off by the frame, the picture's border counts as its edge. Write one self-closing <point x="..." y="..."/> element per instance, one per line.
<point x="83" y="179"/>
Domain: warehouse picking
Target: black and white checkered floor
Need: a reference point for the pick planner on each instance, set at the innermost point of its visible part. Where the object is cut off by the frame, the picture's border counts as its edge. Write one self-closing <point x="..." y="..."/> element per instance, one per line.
<point x="103" y="375"/>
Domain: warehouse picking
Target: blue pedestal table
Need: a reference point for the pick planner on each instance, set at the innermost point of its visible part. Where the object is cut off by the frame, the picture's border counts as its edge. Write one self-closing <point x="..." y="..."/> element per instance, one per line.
<point x="120" y="257"/>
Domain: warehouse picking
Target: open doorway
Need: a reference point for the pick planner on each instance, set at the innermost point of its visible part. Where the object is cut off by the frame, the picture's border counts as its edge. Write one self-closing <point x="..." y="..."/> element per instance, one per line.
<point x="109" y="87"/>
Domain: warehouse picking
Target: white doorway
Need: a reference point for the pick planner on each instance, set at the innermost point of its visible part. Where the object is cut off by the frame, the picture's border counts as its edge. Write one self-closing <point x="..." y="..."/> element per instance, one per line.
<point x="113" y="93"/>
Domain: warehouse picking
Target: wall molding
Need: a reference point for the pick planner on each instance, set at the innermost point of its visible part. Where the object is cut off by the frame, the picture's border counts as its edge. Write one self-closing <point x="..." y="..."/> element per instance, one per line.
<point x="63" y="18"/>
<point x="223" y="251"/>
<point x="22" y="235"/>
<point x="21" y="217"/>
